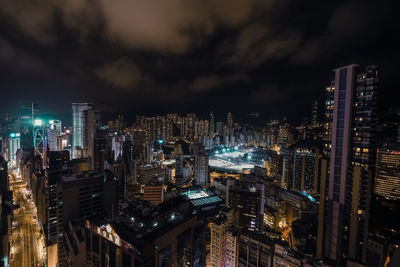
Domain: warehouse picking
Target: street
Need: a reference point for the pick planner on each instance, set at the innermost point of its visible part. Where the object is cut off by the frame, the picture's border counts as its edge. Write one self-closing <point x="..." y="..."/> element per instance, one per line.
<point x="27" y="244"/>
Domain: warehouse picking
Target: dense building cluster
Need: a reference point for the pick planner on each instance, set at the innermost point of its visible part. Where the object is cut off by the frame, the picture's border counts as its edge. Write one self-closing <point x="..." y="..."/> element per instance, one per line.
<point x="180" y="190"/>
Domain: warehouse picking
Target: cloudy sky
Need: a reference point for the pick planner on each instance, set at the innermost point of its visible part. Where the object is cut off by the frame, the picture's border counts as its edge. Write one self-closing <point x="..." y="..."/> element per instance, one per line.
<point x="151" y="56"/>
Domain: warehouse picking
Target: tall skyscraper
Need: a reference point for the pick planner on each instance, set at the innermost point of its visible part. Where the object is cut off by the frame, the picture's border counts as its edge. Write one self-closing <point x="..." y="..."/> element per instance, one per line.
<point x="201" y="168"/>
<point x="14" y="143"/>
<point x="91" y="121"/>
<point x="352" y="164"/>
<point x="387" y="182"/>
<point x="78" y="126"/>
<point x="53" y="132"/>
<point x="220" y="246"/>
<point x="305" y="170"/>
<point x="212" y="124"/>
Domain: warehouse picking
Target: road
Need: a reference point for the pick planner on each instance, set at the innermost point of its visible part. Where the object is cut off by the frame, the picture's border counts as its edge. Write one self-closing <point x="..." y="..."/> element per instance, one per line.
<point x="27" y="245"/>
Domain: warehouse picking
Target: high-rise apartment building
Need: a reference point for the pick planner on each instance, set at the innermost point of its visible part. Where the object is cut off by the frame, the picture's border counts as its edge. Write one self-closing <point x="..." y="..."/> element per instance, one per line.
<point x="212" y="124"/>
<point x="351" y="166"/>
<point x="201" y="174"/>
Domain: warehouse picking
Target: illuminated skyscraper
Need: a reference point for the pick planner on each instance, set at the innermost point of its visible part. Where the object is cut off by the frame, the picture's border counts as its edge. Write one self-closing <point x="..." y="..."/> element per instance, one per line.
<point x="78" y="126"/>
<point x="305" y="170"/>
<point x="387" y="182"/>
<point x="220" y="246"/>
<point x="352" y="165"/>
<point x="53" y="132"/>
<point x="14" y="143"/>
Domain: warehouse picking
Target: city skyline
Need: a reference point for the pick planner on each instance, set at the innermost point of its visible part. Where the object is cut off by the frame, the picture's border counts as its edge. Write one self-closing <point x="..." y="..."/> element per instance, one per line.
<point x="203" y="133"/>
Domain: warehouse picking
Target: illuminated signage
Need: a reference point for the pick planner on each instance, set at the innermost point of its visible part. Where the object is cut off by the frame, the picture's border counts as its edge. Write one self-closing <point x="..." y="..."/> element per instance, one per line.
<point x="107" y="232"/>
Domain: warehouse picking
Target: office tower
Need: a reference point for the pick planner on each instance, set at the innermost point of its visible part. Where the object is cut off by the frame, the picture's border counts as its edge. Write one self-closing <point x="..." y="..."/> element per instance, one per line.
<point x="116" y="170"/>
<point x="212" y="124"/>
<point x="14" y="143"/>
<point x="201" y="174"/>
<point x="91" y="123"/>
<point x="138" y="237"/>
<point x="78" y="127"/>
<point x="53" y="132"/>
<point x="127" y="156"/>
<point x="100" y="150"/>
<point x="387" y="181"/>
<point x="314" y="119"/>
<point x="248" y="197"/>
<point x="179" y="164"/>
<point x="26" y="118"/>
<point x="352" y="164"/>
<point x="305" y="170"/>
<point x="48" y="212"/>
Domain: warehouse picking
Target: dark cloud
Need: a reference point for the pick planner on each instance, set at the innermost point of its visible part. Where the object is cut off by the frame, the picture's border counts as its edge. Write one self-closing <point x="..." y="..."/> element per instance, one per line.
<point x="261" y="55"/>
<point x="167" y="26"/>
<point x="19" y="59"/>
<point x="121" y="74"/>
<point x="352" y="26"/>
<point x="205" y="83"/>
<point x="213" y="81"/>
<point x="257" y="43"/>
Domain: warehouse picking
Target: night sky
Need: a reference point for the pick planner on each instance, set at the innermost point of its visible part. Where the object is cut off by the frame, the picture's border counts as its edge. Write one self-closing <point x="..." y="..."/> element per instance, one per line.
<point x="155" y="56"/>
